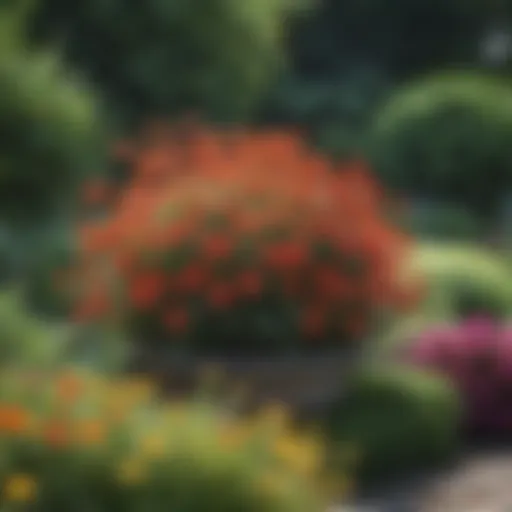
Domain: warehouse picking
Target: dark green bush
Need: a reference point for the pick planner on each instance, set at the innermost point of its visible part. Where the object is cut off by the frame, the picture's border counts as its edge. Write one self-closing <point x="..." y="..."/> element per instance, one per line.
<point x="46" y="272"/>
<point x="49" y="128"/>
<point x="400" y="419"/>
<point x="441" y="222"/>
<point x="448" y="137"/>
<point x="158" y="57"/>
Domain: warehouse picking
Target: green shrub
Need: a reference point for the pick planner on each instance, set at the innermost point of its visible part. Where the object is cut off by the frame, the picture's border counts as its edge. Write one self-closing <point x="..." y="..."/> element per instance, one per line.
<point x="464" y="280"/>
<point x="49" y="129"/>
<point x="401" y="419"/>
<point x="78" y="441"/>
<point x="214" y="56"/>
<point x="440" y="222"/>
<point x="27" y="339"/>
<point x="448" y="137"/>
<point x="460" y="281"/>
<point x="32" y="341"/>
<point x="46" y="272"/>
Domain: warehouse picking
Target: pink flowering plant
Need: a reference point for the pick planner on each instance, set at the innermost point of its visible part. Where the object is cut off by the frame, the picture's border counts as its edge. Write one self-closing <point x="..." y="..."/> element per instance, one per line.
<point x="477" y="356"/>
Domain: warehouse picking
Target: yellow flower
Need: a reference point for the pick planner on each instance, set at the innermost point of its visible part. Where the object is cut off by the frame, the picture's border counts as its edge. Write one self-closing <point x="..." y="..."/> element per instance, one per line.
<point x="273" y="483"/>
<point x="142" y="389"/>
<point x="302" y="455"/>
<point x="131" y="472"/>
<point x="234" y="436"/>
<point x="130" y="392"/>
<point x="175" y="413"/>
<point x="153" y="445"/>
<point x="276" y="414"/>
<point x="20" y="488"/>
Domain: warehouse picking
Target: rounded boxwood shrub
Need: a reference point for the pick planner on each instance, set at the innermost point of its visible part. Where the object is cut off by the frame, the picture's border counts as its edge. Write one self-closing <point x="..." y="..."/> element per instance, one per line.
<point x="76" y="441"/>
<point x="477" y="356"/>
<point x="463" y="280"/>
<point x="241" y="243"/>
<point x="50" y="128"/>
<point x="400" y="419"/>
<point x="448" y="137"/>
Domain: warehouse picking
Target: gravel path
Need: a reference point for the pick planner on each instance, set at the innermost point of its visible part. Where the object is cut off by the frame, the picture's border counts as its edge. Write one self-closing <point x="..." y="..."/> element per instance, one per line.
<point x="480" y="482"/>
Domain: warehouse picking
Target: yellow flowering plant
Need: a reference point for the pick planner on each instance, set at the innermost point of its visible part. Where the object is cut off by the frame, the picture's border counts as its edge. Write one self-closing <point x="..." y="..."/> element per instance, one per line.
<point x="81" y="441"/>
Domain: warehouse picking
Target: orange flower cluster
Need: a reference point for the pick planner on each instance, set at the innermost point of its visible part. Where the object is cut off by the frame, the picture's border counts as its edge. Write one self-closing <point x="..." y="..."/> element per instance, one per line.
<point x="216" y="224"/>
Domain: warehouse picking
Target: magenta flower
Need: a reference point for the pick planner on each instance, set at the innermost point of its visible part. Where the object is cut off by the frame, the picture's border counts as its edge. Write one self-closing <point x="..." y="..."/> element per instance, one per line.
<point x="477" y="356"/>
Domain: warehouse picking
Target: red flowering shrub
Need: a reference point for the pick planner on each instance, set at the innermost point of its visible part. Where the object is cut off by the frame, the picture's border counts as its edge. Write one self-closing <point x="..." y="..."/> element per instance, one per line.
<point x="241" y="242"/>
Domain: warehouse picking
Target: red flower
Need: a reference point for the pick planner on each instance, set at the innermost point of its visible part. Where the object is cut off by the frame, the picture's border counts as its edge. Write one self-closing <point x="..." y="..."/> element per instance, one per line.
<point x="331" y="283"/>
<point x="286" y="255"/>
<point x="221" y="296"/>
<point x="258" y="182"/>
<point x="192" y="278"/>
<point x="176" y="320"/>
<point x="217" y="246"/>
<point x="250" y="283"/>
<point x="146" y="289"/>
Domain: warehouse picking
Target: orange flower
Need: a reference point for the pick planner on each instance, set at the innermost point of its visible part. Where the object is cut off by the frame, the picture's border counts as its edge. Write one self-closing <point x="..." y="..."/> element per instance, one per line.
<point x="91" y="432"/>
<point x="56" y="433"/>
<point x="69" y="387"/>
<point x="14" y="419"/>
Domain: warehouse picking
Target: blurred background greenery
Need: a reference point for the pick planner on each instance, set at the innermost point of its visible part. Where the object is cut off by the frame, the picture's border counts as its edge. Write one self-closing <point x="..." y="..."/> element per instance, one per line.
<point x="421" y="88"/>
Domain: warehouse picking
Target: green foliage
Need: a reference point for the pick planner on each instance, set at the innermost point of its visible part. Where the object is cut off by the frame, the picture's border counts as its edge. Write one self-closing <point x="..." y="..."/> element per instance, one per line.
<point x="334" y="112"/>
<point x="402" y="37"/>
<point x="461" y="281"/>
<point x="464" y="280"/>
<point x="49" y="128"/>
<point x="31" y="341"/>
<point x="448" y="137"/>
<point x="217" y="56"/>
<point x="400" y="418"/>
<point x="79" y="441"/>
<point x="442" y="222"/>
<point x="24" y="339"/>
<point x="46" y="272"/>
